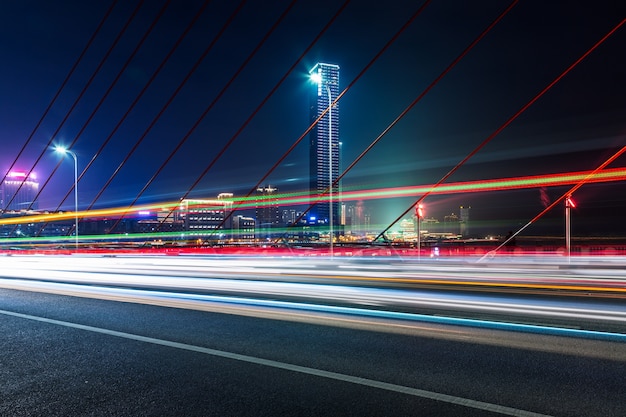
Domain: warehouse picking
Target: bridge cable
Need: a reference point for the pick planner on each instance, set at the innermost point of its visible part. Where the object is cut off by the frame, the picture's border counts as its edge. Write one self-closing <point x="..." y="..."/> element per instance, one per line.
<point x="136" y="100"/>
<point x="208" y="109"/>
<point x="316" y="121"/>
<point x="63" y="84"/>
<point x="258" y="108"/>
<point x="558" y="200"/>
<point x="97" y="107"/>
<point x="169" y="101"/>
<point x="407" y="109"/>
<point x="504" y="125"/>
<point x="81" y="94"/>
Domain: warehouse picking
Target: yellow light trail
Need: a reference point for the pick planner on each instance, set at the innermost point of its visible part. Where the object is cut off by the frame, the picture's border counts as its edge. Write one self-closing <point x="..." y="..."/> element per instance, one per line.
<point x="502" y="184"/>
<point x="620" y="291"/>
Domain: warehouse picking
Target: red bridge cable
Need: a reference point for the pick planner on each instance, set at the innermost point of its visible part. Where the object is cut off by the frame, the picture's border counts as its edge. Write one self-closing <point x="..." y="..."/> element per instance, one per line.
<point x="101" y="101"/>
<point x="134" y="103"/>
<point x="306" y="132"/>
<point x="81" y="94"/>
<point x="208" y="109"/>
<point x="505" y="124"/>
<point x="582" y="182"/>
<point x="408" y="108"/>
<point x="169" y="101"/>
<point x="63" y="84"/>
<point x="258" y="108"/>
<point x="141" y="93"/>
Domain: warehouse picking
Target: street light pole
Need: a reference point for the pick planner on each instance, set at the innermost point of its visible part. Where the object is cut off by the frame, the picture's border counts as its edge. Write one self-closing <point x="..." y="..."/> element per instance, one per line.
<point x="330" y="168"/>
<point x="63" y="150"/>
<point x="419" y="213"/>
<point x="569" y="203"/>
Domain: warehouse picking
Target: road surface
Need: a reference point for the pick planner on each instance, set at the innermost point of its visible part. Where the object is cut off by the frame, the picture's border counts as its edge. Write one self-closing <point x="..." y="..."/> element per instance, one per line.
<point x="75" y="355"/>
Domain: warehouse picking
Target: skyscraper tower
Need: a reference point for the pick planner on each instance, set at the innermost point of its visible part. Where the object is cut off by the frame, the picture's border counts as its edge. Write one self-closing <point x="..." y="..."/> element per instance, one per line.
<point x="324" y="143"/>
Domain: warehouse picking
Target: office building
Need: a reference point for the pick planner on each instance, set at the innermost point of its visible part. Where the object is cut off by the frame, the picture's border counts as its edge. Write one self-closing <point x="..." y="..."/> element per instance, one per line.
<point x="205" y="218"/>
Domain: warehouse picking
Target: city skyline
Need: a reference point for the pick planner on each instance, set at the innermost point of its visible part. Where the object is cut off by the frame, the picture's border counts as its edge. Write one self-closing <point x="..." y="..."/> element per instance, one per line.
<point x="573" y="127"/>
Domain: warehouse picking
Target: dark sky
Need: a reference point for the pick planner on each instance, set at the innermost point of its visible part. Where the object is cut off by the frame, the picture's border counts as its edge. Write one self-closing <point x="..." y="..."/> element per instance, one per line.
<point x="573" y="127"/>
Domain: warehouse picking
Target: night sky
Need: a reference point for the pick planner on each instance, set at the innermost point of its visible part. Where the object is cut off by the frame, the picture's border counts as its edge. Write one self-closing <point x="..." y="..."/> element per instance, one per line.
<point x="575" y="126"/>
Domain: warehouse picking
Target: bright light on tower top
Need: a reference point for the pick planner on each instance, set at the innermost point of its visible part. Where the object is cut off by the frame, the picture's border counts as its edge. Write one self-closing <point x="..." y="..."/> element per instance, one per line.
<point x="60" y="149"/>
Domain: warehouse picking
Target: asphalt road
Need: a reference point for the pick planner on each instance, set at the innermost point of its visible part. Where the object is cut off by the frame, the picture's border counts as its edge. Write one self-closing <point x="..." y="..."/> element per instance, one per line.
<point x="68" y="356"/>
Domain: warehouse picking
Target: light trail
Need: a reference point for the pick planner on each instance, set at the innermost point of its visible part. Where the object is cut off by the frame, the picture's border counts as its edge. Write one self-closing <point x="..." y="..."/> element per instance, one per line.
<point x="178" y="272"/>
<point x="501" y="184"/>
<point x="309" y="312"/>
<point x="175" y="270"/>
<point x="305" y="285"/>
<point x="564" y="196"/>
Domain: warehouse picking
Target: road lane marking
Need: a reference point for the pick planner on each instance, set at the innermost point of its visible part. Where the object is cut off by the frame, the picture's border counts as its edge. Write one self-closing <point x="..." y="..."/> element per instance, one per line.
<point x="451" y="399"/>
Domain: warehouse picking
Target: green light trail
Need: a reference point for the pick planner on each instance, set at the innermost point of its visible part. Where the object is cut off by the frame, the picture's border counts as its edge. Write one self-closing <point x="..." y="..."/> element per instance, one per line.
<point x="286" y="199"/>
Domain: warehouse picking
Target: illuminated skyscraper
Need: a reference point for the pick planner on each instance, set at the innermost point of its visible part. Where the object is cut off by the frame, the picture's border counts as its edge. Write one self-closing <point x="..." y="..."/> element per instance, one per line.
<point x="324" y="142"/>
<point x="16" y="195"/>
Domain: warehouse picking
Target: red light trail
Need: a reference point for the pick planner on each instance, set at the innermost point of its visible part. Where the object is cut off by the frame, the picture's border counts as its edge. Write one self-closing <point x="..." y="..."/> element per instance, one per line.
<point x="478" y="186"/>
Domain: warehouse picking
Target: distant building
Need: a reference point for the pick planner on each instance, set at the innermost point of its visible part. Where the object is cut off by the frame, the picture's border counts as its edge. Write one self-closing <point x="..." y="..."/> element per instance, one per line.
<point x="156" y="226"/>
<point x="205" y="218"/>
<point x="451" y="224"/>
<point x="464" y="217"/>
<point x="18" y="191"/>
<point x="357" y="219"/>
<point x="243" y="229"/>
<point x="267" y="212"/>
<point x="408" y="229"/>
<point x="28" y="228"/>
<point x="289" y="217"/>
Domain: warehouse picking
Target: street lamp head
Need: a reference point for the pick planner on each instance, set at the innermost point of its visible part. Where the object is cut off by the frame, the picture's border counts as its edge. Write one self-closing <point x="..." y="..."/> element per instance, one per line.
<point x="419" y="211"/>
<point x="316" y="77"/>
<point x="64" y="151"/>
